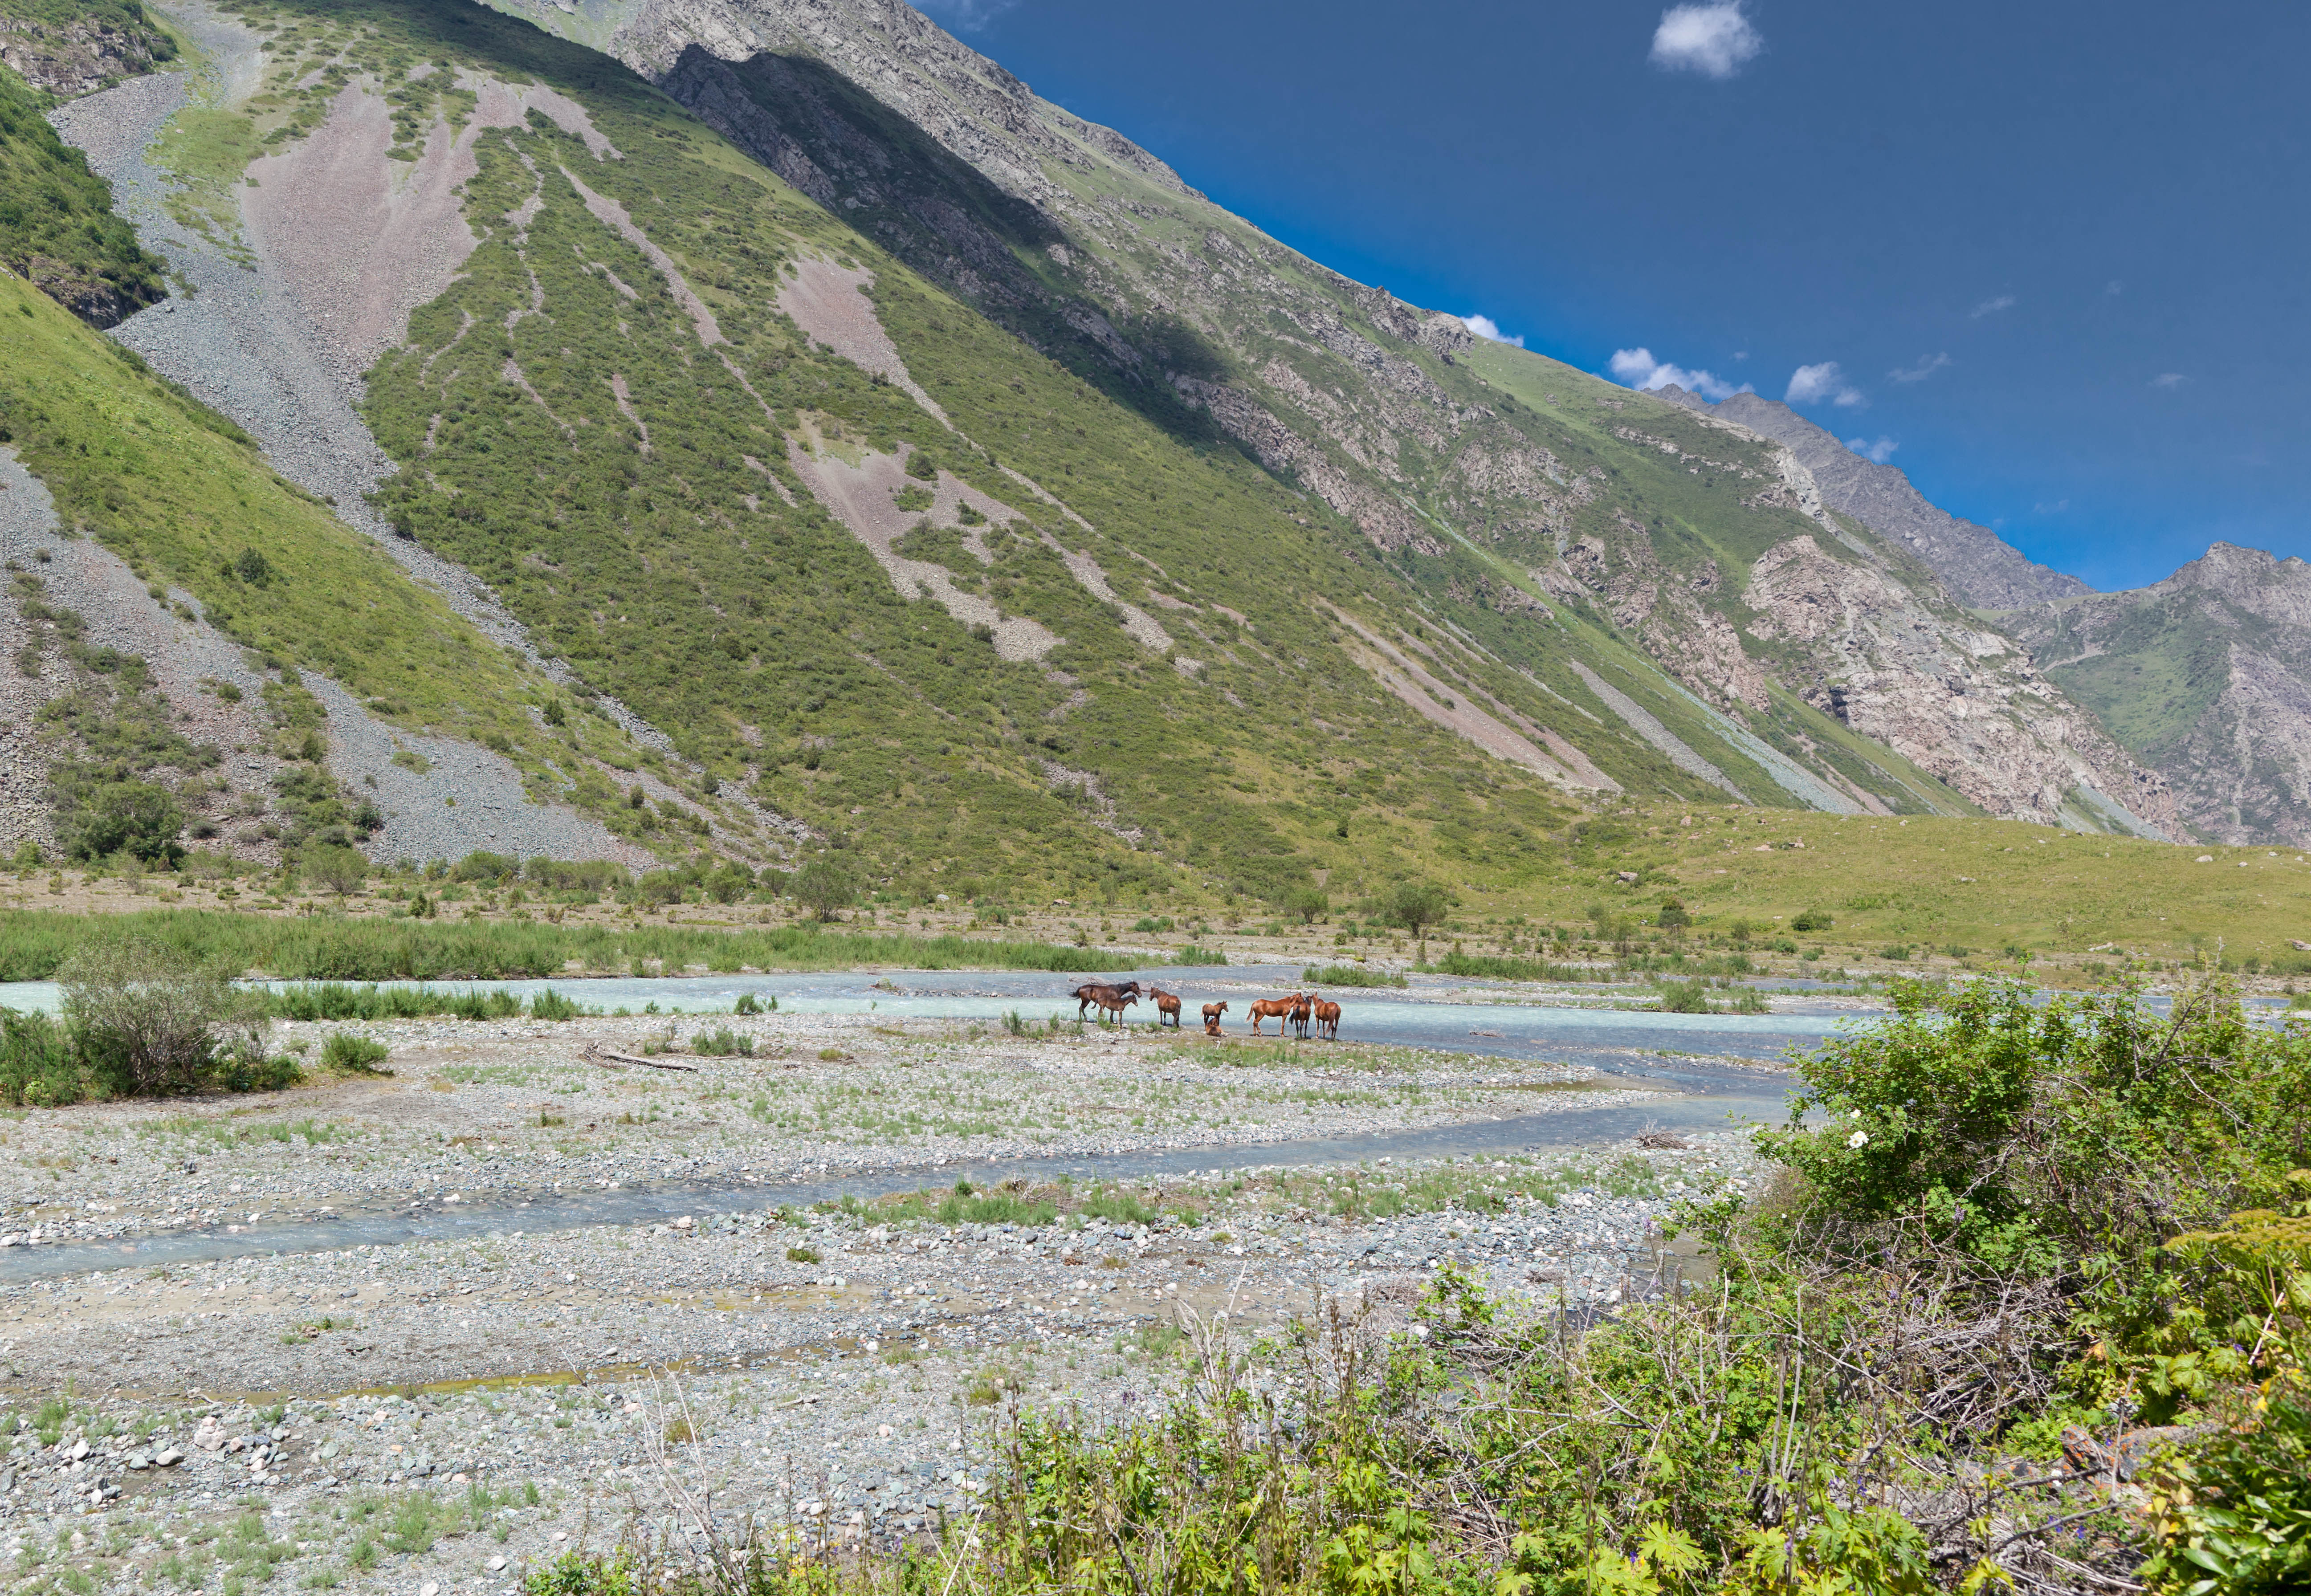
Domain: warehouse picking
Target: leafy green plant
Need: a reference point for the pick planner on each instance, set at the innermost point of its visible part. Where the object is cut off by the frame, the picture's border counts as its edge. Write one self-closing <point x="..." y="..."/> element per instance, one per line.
<point x="346" y="1053"/>
<point x="1351" y="975"/>
<point x="547" y="1004"/>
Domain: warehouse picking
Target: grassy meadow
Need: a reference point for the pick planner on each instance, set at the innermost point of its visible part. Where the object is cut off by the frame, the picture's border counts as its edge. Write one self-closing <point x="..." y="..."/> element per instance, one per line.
<point x="1932" y="885"/>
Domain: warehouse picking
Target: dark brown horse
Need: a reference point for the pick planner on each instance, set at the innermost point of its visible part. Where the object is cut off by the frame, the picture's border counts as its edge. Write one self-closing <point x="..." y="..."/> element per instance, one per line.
<point x="1328" y="1020"/>
<point x="1279" y="1008"/>
<point x="1302" y="1004"/>
<point x="1109" y="999"/>
<point x="1166" y="1003"/>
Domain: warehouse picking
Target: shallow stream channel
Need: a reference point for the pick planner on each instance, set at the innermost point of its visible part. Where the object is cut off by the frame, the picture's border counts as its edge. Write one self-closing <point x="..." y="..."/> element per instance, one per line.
<point x="1699" y="1071"/>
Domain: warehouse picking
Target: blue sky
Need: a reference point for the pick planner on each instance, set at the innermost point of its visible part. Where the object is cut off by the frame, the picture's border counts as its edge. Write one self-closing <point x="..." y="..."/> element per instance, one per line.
<point x="2059" y="255"/>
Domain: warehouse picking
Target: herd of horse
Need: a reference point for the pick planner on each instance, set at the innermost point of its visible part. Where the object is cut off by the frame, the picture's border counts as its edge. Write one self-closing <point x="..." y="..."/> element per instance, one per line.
<point x="1297" y="1012"/>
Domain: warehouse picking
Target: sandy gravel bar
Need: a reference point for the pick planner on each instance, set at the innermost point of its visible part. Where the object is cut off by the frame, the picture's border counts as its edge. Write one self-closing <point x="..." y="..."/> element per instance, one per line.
<point x="452" y="1411"/>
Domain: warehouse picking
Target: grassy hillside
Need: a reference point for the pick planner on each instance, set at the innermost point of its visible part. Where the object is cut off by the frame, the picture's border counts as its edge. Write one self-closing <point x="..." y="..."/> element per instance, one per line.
<point x="681" y="566"/>
<point x="56" y="223"/>
<point x="178" y="492"/>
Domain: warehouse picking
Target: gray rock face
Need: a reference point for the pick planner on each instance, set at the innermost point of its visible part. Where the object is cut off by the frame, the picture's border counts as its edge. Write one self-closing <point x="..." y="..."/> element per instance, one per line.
<point x="2206" y="678"/>
<point x="1981" y="567"/>
<point x="78" y="57"/>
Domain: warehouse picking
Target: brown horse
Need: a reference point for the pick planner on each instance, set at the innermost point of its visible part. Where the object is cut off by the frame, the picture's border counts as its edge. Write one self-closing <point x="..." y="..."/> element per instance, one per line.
<point x="1212" y="1012"/>
<point x="1280" y="1008"/>
<point x="1166" y="1003"/>
<point x="1109" y="999"/>
<point x="1328" y="1020"/>
<point x="1211" y="1027"/>
<point x="1301" y="1003"/>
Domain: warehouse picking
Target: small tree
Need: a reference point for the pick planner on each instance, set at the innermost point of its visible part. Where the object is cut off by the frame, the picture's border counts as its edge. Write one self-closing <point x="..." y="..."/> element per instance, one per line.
<point x="825" y="885"/>
<point x="1306" y="904"/>
<point x="340" y="869"/>
<point x="1416" y="905"/>
<point x="143" y="1016"/>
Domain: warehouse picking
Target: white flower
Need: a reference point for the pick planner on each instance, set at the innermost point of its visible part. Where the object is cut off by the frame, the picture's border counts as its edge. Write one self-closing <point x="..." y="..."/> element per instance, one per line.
<point x="1860" y="1139"/>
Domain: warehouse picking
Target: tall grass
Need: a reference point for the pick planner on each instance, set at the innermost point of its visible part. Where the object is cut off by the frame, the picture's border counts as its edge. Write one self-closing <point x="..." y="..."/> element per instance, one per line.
<point x="1350" y="975"/>
<point x="1495" y="967"/>
<point x="34" y="943"/>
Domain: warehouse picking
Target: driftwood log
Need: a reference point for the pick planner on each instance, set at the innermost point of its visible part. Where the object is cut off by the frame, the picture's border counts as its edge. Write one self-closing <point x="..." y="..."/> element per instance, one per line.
<point x="594" y="1052"/>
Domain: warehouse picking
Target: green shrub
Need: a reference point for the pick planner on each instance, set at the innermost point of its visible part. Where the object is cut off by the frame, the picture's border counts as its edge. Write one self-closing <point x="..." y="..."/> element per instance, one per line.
<point x="1416" y="905"/>
<point x="722" y="1042"/>
<point x="583" y="1574"/>
<point x="996" y="1208"/>
<point x="348" y="1054"/>
<point x="1306" y="904"/>
<point x="1812" y="920"/>
<point x="550" y="1005"/>
<point x="2072" y="1136"/>
<point x="38" y="1065"/>
<point x="1684" y="997"/>
<point x="1351" y="975"/>
<point x="823" y="885"/>
<point x="481" y="865"/>
<point x="340" y="869"/>
<point x="143" y="1018"/>
<point x="142" y="819"/>
<point x="1497" y="967"/>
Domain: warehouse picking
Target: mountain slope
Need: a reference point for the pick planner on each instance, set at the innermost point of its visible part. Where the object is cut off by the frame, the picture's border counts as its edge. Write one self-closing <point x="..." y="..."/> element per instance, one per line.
<point x="1981" y="567"/>
<point x="56" y="223"/>
<point x="2204" y="677"/>
<point x="181" y="617"/>
<point x="1096" y="594"/>
<point x="1390" y="416"/>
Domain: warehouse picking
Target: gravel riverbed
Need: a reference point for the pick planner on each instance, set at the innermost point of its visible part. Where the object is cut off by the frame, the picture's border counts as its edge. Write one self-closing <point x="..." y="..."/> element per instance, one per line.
<point x="452" y="1411"/>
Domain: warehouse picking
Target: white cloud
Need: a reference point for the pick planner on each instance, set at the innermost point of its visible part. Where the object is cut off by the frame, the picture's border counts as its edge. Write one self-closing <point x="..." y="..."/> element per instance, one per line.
<point x="1881" y="451"/>
<point x="1637" y="369"/>
<point x="2114" y="287"/>
<point x="1810" y="384"/>
<point x="2169" y="379"/>
<point x="1992" y="307"/>
<point x="1928" y="364"/>
<point x="2056" y="507"/>
<point x="1485" y="327"/>
<point x="1713" y="39"/>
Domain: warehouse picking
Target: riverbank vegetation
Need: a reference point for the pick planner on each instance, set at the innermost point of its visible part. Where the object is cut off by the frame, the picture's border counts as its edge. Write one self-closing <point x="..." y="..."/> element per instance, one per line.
<point x="2027" y="1308"/>
<point x="1735" y="893"/>
<point x="139" y="1019"/>
<point x="35" y="946"/>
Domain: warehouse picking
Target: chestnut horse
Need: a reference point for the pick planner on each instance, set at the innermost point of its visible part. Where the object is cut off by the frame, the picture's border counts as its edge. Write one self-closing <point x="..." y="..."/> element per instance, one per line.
<point x="1328" y="1020"/>
<point x="1110" y="999"/>
<point x="1212" y="1012"/>
<point x="1279" y="1008"/>
<point x="1302" y="1002"/>
<point x="1166" y="1003"/>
